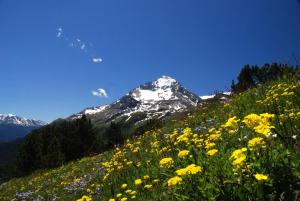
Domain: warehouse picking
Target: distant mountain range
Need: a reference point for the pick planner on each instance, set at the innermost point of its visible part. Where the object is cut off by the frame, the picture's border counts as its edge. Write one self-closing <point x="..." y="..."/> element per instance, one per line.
<point x="13" y="127"/>
<point x="152" y="100"/>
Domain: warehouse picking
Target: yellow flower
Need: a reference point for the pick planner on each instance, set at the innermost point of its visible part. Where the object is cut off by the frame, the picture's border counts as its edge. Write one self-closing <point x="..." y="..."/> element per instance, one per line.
<point x="133" y="193"/>
<point x="255" y="142"/>
<point x="166" y="162"/>
<point x="214" y="137"/>
<point x="252" y="120"/>
<point x="260" y="123"/>
<point x="263" y="129"/>
<point x="124" y="199"/>
<point x="138" y="182"/>
<point x="148" y="186"/>
<point x="124" y="186"/>
<point x="239" y="157"/>
<point x="128" y="191"/>
<point x="146" y="177"/>
<point x="85" y="198"/>
<point x="111" y="199"/>
<point x="119" y="195"/>
<point x="212" y="152"/>
<point x="174" y="181"/>
<point x="209" y="145"/>
<point x="182" y="154"/>
<point x="260" y="177"/>
<point x="191" y="169"/>
<point x="232" y="124"/>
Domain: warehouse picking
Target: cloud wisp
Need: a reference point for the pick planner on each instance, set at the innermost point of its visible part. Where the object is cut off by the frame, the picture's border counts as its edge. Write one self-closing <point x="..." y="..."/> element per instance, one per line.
<point x="100" y="93"/>
<point x="79" y="44"/>
<point x="97" y="60"/>
<point x="59" y="32"/>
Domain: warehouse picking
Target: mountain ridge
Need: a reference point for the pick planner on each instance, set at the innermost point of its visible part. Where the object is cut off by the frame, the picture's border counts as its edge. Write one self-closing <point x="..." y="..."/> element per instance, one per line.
<point x="13" y="126"/>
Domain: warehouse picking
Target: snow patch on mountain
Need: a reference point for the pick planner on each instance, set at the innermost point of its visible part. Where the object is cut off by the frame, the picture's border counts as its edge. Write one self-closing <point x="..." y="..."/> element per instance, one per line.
<point x="161" y="90"/>
<point x="226" y="93"/>
<point x="95" y="110"/>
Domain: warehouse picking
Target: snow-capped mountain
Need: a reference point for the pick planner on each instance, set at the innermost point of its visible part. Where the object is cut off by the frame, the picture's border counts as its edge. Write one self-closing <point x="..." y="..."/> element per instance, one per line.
<point x="156" y="99"/>
<point x="16" y="120"/>
<point x="12" y="126"/>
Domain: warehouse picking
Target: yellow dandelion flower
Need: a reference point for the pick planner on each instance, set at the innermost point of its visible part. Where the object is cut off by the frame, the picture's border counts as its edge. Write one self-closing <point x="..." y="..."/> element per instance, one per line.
<point x="260" y="177"/>
<point x="182" y="154"/>
<point x="212" y="152"/>
<point x="148" y="186"/>
<point x="258" y="141"/>
<point x="174" y="181"/>
<point x="166" y="162"/>
<point x="138" y="182"/>
<point x="85" y="198"/>
<point x="191" y="169"/>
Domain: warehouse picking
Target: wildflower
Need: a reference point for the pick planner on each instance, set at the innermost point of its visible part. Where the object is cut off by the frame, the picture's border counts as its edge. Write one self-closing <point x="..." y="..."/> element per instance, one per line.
<point x="166" y="162"/>
<point x="119" y="195"/>
<point x="182" y="154"/>
<point x="85" y="198"/>
<point x="239" y="157"/>
<point x="256" y="142"/>
<point x="259" y="123"/>
<point x="138" y="182"/>
<point x="111" y="199"/>
<point x="214" y="137"/>
<point x="133" y="193"/>
<point x="263" y="129"/>
<point x="191" y="169"/>
<point x="209" y="145"/>
<point x="148" y="186"/>
<point x="174" y="181"/>
<point x="124" y="199"/>
<point x="260" y="177"/>
<point x="146" y="177"/>
<point x="212" y="152"/>
<point x="128" y="191"/>
<point x="252" y="120"/>
<point x="232" y="124"/>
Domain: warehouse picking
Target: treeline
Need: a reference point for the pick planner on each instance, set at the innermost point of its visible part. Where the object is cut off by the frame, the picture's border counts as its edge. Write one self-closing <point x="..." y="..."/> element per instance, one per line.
<point x="54" y="144"/>
<point x="251" y="76"/>
<point x="63" y="141"/>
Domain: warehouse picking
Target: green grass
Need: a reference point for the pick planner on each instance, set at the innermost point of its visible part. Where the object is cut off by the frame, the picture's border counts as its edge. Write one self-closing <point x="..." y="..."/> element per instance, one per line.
<point x="216" y="177"/>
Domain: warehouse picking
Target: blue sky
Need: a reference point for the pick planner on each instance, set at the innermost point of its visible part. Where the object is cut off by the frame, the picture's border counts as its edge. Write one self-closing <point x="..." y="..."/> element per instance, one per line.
<point x="201" y="43"/>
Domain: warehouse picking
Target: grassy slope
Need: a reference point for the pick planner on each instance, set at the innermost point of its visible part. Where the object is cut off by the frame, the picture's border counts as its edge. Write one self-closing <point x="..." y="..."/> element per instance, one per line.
<point x="215" y="177"/>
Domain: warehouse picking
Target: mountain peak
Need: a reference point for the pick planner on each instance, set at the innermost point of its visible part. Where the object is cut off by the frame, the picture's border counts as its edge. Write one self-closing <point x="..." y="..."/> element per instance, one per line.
<point x="156" y="99"/>
<point x="160" y="89"/>
<point x="165" y="81"/>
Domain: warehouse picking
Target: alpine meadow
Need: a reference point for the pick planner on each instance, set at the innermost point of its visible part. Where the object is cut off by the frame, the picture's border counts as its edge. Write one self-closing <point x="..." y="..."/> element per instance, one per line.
<point x="136" y="100"/>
